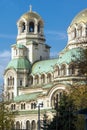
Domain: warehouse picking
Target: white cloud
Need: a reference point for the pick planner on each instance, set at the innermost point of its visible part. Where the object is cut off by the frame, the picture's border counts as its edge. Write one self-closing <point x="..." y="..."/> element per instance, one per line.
<point x="5" y="54"/>
<point x="56" y="34"/>
<point x="4" y="59"/>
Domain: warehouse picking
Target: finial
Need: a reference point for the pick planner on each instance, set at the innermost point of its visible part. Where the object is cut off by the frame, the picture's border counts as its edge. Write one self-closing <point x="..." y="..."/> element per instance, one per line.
<point x="30" y="8"/>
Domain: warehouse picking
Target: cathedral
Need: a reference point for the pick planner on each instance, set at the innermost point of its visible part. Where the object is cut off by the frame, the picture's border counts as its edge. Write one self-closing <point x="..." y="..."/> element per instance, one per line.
<point x="32" y="80"/>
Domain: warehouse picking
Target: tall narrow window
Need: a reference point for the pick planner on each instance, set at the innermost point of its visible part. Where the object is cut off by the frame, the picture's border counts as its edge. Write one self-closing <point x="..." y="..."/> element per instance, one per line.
<point x="23" y="27"/>
<point x="28" y="125"/>
<point x="31" y="27"/>
<point x="20" y="82"/>
<point x="38" y="27"/>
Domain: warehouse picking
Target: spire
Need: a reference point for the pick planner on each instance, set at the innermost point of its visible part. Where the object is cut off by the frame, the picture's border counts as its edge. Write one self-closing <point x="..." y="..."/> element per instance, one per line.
<point x="30" y="8"/>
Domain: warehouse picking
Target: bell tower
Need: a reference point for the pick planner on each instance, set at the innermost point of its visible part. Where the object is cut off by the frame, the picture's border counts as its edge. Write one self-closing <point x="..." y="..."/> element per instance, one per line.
<point x="31" y="35"/>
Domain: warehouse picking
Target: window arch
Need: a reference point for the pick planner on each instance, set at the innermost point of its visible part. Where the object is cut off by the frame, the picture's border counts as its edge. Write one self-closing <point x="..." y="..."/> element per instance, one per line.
<point x="23" y="27"/>
<point x="79" y="31"/>
<point x="49" y="78"/>
<point x="86" y="30"/>
<point x="71" y="69"/>
<point x="56" y="71"/>
<point x="22" y="106"/>
<point x="33" y="105"/>
<point x="37" y="79"/>
<point x="74" y="33"/>
<point x="40" y="27"/>
<point x="8" y="96"/>
<point x="10" y="81"/>
<point x="13" y="106"/>
<point x="56" y="97"/>
<point x="31" y="27"/>
<point x="30" y="80"/>
<point x="63" y="70"/>
<point x="18" y="125"/>
<point x="42" y="78"/>
<point x="28" y="125"/>
<point x="33" y="125"/>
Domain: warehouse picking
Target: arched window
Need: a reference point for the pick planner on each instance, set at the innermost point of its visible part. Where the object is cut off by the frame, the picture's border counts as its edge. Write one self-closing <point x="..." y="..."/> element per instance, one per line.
<point x="42" y="78"/>
<point x="33" y="125"/>
<point x="86" y="30"/>
<point x="38" y="27"/>
<point x="71" y="69"/>
<point x="8" y="96"/>
<point x="74" y="33"/>
<point x="56" y="71"/>
<point x="56" y="98"/>
<point x="37" y="79"/>
<point x="21" y="83"/>
<point x="79" y="31"/>
<point x="30" y="80"/>
<point x="23" y="27"/>
<point x="63" y="70"/>
<point x="17" y="125"/>
<point x="31" y="27"/>
<point x="13" y="106"/>
<point x="8" y="81"/>
<point x="49" y="78"/>
<point x="13" y="81"/>
<point x="12" y="125"/>
<point x="27" y="125"/>
<point x="33" y="105"/>
<point x="22" y="106"/>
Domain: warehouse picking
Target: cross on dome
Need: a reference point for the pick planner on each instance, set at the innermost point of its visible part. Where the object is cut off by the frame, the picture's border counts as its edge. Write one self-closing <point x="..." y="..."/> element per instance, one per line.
<point x="30" y="8"/>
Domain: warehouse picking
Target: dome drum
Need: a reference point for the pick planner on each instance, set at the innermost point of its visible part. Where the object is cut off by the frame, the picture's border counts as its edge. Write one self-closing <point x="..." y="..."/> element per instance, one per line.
<point x="77" y="31"/>
<point x="30" y="22"/>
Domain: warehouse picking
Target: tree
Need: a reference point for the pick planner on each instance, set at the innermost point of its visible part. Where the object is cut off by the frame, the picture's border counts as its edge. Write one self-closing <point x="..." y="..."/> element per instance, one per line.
<point x="78" y="94"/>
<point x="6" y="116"/>
<point x="45" y="122"/>
<point x="80" y="61"/>
<point x="66" y="118"/>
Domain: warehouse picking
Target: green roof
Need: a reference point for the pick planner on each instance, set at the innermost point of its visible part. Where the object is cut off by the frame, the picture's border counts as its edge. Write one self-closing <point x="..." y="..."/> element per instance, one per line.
<point x="20" y="46"/>
<point x="27" y="97"/>
<point x="43" y="66"/>
<point x="48" y="85"/>
<point x="70" y="55"/>
<point x="65" y="58"/>
<point x="19" y="63"/>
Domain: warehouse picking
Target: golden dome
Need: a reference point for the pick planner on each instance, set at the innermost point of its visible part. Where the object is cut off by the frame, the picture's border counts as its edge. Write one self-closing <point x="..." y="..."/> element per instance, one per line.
<point x="31" y="15"/>
<point x="81" y="17"/>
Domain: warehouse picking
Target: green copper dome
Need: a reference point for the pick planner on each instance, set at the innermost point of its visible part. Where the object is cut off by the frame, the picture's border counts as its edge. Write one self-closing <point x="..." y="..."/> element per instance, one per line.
<point x="81" y="17"/>
<point x="19" y="63"/>
<point x="66" y="58"/>
<point x="70" y="55"/>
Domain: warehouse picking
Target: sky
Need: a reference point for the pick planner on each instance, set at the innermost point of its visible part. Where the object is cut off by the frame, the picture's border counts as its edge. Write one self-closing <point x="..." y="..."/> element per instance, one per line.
<point x="57" y="16"/>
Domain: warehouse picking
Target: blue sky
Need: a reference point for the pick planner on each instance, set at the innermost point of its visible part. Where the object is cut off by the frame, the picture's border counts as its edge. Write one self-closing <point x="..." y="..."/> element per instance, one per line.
<point x="57" y="15"/>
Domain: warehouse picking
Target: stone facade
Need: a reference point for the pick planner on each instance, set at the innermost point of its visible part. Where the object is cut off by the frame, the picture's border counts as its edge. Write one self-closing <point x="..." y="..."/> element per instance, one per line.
<point x="31" y="77"/>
